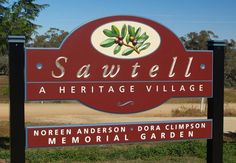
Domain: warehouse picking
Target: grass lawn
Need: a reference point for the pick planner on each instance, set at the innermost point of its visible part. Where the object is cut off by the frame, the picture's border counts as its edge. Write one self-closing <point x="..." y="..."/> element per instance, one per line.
<point x="166" y="152"/>
<point x="185" y="151"/>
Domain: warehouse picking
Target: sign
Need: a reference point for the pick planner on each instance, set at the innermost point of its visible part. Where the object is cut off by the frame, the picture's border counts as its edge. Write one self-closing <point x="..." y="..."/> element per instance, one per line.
<point x="119" y="64"/>
<point x="53" y="136"/>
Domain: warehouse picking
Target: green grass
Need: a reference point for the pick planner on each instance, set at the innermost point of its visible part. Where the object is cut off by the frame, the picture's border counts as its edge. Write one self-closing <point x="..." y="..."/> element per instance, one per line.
<point x="166" y="152"/>
<point x="191" y="151"/>
<point x="4" y="91"/>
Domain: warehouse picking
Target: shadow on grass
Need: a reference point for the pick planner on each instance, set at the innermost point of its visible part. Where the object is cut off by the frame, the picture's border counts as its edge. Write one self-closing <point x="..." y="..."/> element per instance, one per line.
<point x="4" y="142"/>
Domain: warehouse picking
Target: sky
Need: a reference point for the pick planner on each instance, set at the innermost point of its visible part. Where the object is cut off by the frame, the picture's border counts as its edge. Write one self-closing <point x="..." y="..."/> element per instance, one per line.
<point x="180" y="16"/>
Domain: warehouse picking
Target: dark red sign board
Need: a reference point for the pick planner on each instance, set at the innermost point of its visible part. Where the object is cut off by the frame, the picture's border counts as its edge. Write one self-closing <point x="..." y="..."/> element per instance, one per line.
<point x="127" y="80"/>
<point x="74" y="135"/>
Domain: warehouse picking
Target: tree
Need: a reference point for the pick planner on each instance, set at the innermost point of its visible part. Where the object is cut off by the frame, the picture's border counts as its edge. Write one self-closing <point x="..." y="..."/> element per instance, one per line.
<point x="17" y="19"/>
<point x="198" y="41"/>
<point x="52" y="38"/>
<point x="3" y="10"/>
<point x="230" y="66"/>
<point x="3" y="60"/>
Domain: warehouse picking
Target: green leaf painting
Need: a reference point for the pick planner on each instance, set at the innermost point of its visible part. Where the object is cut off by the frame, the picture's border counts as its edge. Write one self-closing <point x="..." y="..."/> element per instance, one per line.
<point x="109" y="33"/>
<point x="127" y="40"/>
<point x="117" y="49"/>
<point x="127" y="51"/>
<point x="108" y="42"/>
<point x="124" y="31"/>
<point x="115" y="30"/>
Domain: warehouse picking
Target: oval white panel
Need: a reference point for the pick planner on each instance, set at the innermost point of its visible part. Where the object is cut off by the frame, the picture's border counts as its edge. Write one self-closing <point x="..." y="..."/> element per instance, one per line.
<point x="98" y="37"/>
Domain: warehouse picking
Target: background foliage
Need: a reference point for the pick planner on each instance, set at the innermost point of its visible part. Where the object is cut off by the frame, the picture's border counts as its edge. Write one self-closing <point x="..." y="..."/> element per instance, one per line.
<point x="198" y="41"/>
<point x="52" y="38"/>
<point x="16" y="18"/>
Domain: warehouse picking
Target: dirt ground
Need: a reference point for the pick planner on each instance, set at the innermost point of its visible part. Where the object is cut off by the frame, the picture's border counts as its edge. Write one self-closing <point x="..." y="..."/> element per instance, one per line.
<point x="75" y="113"/>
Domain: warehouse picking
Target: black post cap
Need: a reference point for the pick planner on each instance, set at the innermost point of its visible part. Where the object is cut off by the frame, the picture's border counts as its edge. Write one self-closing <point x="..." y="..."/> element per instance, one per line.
<point x="216" y="43"/>
<point x="16" y="39"/>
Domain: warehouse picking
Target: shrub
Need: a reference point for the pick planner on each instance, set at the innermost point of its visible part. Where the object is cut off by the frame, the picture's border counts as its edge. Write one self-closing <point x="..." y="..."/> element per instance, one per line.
<point x="183" y="111"/>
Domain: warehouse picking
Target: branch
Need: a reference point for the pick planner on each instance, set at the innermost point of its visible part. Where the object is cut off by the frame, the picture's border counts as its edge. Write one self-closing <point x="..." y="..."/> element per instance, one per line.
<point x="135" y="49"/>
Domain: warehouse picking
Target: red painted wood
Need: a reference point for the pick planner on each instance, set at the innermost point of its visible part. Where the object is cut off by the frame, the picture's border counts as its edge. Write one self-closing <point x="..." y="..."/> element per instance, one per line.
<point x="117" y="133"/>
<point x="79" y="51"/>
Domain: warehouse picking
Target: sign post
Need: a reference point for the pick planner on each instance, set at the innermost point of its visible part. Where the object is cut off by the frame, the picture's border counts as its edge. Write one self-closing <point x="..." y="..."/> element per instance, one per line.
<point x="17" y="97"/>
<point x="216" y="103"/>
